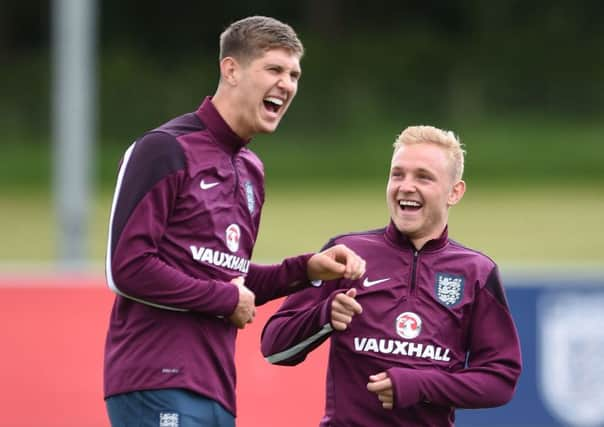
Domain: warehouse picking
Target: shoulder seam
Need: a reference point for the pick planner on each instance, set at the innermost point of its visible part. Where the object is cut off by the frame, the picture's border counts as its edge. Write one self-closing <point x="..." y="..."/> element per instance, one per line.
<point x="477" y="252"/>
<point x="375" y="231"/>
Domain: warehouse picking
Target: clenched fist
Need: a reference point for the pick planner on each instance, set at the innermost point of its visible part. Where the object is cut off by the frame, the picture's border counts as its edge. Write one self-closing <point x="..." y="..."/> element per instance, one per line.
<point x="335" y="262"/>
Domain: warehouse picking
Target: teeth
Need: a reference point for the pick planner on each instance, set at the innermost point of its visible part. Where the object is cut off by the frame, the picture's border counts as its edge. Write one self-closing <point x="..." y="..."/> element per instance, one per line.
<point x="409" y="203"/>
<point x="274" y="100"/>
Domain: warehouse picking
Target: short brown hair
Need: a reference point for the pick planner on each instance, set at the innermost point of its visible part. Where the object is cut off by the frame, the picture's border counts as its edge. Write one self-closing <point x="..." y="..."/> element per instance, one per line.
<point x="250" y="37"/>
<point x="432" y="135"/>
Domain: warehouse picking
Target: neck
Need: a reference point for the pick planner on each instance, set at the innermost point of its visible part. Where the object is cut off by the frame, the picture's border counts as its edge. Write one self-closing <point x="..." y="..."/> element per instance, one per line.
<point x="223" y="103"/>
<point x="420" y="241"/>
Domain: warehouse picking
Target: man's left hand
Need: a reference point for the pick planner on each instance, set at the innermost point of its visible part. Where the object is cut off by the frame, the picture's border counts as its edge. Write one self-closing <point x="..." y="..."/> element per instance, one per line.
<point x="381" y="385"/>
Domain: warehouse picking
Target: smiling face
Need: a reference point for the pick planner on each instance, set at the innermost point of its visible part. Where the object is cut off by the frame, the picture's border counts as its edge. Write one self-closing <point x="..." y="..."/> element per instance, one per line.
<point x="258" y="91"/>
<point x="421" y="188"/>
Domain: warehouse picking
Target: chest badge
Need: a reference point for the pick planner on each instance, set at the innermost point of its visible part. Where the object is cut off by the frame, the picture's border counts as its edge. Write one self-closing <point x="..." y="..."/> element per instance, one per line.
<point x="233" y="234"/>
<point x="449" y="289"/>
<point x="408" y="325"/>
<point x="249" y="195"/>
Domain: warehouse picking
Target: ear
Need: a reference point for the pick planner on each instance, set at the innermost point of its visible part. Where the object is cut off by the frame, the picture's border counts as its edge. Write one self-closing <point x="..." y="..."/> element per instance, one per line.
<point x="456" y="193"/>
<point x="229" y="70"/>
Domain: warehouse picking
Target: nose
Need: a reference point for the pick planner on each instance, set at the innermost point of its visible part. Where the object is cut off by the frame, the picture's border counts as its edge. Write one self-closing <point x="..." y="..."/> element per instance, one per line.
<point x="287" y="84"/>
<point x="406" y="185"/>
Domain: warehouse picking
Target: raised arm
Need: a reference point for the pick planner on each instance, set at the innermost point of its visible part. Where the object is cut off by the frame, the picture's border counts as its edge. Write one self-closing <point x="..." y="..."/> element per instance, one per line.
<point x="306" y="320"/>
<point x="269" y="282"/>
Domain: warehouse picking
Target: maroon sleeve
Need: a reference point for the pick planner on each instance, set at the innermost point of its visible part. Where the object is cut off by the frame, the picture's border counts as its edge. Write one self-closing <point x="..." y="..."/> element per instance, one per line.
<point x="301" y="324"/>
<point x="494" y="361"/>
<point x="269" y="282"/>
<point x="146" y="192"/>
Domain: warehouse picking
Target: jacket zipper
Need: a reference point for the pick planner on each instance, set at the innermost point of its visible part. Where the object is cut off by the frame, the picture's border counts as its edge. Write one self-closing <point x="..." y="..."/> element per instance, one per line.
<point x="414" y="272"/>
<point x="236" y="192"/>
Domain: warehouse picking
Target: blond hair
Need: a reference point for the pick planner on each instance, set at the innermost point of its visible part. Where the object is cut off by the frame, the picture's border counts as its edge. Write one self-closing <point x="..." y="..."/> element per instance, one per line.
<point x="432" y="135"/>
<point x="250" y="37"/>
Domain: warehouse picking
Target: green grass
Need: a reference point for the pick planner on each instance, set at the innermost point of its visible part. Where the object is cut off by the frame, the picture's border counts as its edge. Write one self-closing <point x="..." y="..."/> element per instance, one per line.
<point x="536" y="193"/>
<point x="501" y="150"/>
<point x="520" y="227"/>
<point x="505" y="151"/>
<point x="534" y="226"/>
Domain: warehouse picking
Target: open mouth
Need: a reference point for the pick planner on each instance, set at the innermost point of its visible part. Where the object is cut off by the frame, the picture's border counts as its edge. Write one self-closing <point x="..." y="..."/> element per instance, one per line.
<point x="409" y="205"/>
<point x="273" y="104"/>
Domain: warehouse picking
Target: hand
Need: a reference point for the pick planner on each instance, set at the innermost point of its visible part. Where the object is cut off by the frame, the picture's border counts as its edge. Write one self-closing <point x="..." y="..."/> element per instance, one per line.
<point x="381" y="385"/>
<point x="246" y="309"/>
<point x="335" y="262"/>
<point x="343" y="308"/>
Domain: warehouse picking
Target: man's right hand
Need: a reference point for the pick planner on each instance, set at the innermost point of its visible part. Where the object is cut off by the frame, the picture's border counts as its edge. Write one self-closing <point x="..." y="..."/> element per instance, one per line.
<point x="343" y="308"/>
<point x="246" y="308"/>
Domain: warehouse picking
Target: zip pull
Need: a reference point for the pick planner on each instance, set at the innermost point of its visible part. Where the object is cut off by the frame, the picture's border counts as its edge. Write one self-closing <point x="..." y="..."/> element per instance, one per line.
<point x="414" y="271"/>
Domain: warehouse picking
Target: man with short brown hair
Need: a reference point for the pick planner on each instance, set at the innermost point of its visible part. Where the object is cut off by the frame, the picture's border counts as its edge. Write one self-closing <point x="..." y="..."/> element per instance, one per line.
<point x="184" y="220"/>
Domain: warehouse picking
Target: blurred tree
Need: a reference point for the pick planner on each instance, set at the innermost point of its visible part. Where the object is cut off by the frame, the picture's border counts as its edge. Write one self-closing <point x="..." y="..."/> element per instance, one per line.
<point x="324" y="17"/>
<point x="24" y="26"/>
<point x="451" y="59"/>
<point x="3" y="32"/>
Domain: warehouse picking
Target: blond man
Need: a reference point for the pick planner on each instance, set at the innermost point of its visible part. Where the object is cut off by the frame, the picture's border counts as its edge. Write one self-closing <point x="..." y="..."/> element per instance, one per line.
<point x="427" y="329"/>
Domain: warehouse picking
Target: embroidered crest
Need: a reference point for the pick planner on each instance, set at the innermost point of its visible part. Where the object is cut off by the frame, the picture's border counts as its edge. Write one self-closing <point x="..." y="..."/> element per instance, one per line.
<point x="449" y="288"/>
<point x="168" y="419"/>
<point x="249" y="194"/>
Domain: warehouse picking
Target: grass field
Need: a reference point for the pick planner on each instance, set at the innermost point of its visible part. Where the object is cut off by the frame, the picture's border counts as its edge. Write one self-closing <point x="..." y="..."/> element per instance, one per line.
<point x="539" y="201"/>
<point x="539" y="226"/>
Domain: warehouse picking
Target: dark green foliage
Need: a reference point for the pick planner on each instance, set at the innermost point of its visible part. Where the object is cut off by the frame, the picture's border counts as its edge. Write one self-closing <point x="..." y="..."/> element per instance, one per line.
<point x="522" y="84"/>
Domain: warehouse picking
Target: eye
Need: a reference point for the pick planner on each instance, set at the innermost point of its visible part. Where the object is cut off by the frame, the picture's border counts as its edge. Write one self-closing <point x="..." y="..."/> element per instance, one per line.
<point x="274" y="69"/>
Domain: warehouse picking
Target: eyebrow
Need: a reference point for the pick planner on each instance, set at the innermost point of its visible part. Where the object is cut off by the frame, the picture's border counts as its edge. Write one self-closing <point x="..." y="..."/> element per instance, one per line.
<point x="426" y="171"/>
<point x="295" y="71"/>
<point x="415" y="171"/>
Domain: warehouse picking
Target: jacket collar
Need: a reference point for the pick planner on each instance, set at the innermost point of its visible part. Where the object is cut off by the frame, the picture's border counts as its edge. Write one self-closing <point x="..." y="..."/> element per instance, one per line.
<point x="224" y="135"/>
<point x="401" y="240"/>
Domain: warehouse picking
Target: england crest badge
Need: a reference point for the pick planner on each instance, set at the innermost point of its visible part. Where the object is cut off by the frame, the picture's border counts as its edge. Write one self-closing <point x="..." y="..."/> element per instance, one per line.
<point x="249" y="194"/>
<point x="449" y="288"/>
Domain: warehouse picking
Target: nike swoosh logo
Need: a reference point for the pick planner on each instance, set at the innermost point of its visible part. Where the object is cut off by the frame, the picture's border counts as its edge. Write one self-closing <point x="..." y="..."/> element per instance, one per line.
<point x="207" y="185"/>
<point x="369" y="283"/>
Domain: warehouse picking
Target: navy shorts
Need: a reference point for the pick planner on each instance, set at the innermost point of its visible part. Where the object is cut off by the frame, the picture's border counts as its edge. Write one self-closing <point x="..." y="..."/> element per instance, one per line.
<point x="166" y="408"/>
